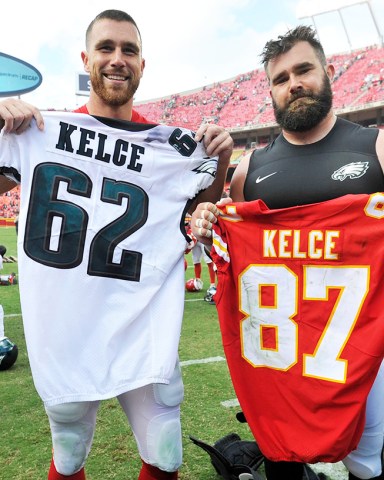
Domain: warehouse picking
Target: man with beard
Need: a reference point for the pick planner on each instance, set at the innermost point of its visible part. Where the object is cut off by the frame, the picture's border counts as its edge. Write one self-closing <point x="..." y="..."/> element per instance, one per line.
<point x="317" y="157"/>
<point x="150" y="398"/>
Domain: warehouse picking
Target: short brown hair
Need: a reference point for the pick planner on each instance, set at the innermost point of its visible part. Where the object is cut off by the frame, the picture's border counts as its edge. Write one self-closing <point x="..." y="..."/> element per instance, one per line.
<point x="117" y="15"/>
<point x="284" y="43"/>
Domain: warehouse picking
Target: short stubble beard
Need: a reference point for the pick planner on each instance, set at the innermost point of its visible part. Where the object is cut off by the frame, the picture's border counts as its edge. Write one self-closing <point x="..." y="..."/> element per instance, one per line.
<point x="111" y="96"/>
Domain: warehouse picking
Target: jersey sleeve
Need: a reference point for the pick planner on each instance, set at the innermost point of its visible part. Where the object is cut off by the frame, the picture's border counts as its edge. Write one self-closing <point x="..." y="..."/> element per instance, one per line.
<point x="200" y="170"/>
<point x="219" y="251"/>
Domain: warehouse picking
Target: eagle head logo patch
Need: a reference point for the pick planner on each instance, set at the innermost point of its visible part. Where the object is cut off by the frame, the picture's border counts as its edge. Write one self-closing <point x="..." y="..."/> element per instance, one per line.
<point x="351" y="170"/>
<point x="209" y="166"/>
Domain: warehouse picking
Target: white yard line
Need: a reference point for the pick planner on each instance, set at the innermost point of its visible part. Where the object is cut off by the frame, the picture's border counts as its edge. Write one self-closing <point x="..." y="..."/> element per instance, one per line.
<point x="185" y="363"/>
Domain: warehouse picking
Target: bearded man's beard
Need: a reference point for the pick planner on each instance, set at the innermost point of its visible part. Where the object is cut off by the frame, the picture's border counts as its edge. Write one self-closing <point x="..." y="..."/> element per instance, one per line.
<point x="303" y="115"/>
<point x="115" y="97"/>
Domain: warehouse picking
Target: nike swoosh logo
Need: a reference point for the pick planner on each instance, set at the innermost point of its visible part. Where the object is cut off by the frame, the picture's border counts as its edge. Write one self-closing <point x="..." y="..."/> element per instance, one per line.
<point x="260" y="179"/>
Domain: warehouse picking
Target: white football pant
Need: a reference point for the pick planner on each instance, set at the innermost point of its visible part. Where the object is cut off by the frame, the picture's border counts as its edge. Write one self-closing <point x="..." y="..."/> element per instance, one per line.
<point x="365" y="461"/>
<point x="153" y="412"/>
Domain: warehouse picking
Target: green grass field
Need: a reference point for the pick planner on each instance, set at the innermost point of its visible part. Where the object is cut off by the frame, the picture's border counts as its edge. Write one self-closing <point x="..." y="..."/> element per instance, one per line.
<point x="25" y="451"/>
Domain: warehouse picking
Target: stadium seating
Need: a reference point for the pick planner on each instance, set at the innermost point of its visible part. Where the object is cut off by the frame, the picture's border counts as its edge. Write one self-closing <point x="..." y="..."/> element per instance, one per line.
<point x="9" y="203"/>
<point x="244" y="101"/>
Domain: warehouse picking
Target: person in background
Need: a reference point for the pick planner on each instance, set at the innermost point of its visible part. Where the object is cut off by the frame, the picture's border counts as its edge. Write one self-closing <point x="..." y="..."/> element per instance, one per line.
<point x="198" y="253"/>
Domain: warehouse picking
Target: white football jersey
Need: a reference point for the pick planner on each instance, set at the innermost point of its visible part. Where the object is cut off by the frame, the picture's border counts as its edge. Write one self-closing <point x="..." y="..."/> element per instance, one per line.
<point x="100" y="249"/>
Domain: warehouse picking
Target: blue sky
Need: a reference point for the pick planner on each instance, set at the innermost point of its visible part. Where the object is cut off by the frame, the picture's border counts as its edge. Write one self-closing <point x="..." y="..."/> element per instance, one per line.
<point x="185" y="47"/>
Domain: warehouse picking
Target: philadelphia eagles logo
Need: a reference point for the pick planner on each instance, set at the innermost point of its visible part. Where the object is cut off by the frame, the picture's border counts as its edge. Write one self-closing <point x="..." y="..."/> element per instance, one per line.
<point x="352" y="170"/>
<point x="210" y="166"/>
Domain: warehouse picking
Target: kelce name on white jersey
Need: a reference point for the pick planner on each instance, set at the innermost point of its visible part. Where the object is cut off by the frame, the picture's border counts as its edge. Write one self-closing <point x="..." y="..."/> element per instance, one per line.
<point x="86" y="139"/>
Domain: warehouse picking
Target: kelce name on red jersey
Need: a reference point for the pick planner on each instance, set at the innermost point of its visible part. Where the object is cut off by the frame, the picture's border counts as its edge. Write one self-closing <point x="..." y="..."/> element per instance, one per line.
<point x="315" y="244"/>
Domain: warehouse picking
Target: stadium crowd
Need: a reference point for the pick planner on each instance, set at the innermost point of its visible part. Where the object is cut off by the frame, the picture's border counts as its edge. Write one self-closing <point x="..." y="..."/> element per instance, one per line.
<point x="245" y="101"/>
<point x="10" y="203"/>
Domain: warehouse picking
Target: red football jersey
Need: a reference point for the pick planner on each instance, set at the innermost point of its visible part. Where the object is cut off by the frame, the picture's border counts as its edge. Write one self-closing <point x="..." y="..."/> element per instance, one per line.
<point x="300" y="304"/>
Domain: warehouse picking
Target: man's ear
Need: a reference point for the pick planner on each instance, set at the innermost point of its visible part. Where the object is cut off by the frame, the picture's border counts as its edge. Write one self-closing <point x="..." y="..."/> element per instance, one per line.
<point x="84" y="58"/>
<point x="330" y="71"/>
<point x="142" y="66"/>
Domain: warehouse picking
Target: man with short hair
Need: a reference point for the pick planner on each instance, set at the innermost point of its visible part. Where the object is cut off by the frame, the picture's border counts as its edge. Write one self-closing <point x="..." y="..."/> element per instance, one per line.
<point x="111" y="193"/>
<point x="317" y="157"/>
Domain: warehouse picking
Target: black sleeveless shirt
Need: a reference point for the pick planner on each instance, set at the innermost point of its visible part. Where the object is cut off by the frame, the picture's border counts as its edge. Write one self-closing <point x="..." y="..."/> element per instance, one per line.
<point x="343" y="162"/>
